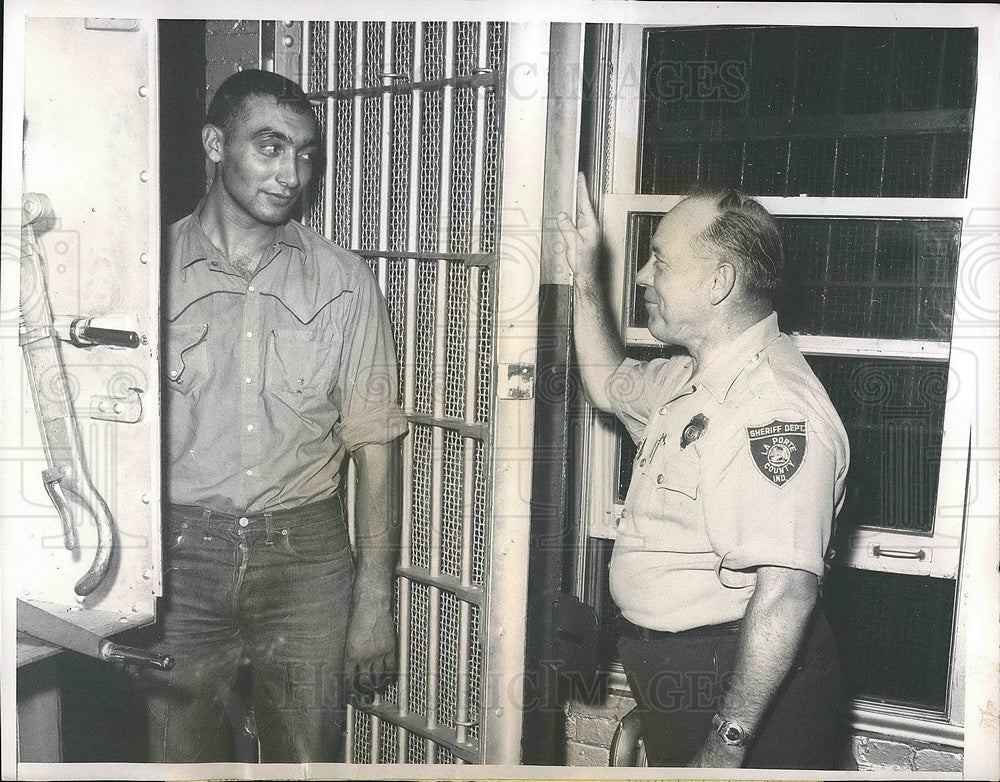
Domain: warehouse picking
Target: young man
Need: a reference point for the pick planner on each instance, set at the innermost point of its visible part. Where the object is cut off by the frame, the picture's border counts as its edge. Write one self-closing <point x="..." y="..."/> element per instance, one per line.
<point x="739" y="475"/>
<point x="279" y="366"/>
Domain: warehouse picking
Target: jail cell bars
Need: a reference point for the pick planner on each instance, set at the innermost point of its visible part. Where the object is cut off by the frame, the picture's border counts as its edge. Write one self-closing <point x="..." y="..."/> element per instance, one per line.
<point x="411" y="116"/>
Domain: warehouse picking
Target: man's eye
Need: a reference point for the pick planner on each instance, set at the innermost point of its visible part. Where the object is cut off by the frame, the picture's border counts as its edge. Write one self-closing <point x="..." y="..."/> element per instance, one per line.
<point x="269" y="149"/>
<point x="307" y="157"/>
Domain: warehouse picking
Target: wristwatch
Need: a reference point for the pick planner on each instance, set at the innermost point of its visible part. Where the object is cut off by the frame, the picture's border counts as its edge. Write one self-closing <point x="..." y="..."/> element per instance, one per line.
<point x="731" y="732"/>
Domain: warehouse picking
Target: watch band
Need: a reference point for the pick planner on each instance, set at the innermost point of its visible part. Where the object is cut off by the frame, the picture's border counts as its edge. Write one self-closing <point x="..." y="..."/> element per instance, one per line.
<point x="731" y="732"/>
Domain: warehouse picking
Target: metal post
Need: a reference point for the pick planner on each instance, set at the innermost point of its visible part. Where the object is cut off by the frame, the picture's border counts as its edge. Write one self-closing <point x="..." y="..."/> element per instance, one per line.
<point x="412" y="244"/>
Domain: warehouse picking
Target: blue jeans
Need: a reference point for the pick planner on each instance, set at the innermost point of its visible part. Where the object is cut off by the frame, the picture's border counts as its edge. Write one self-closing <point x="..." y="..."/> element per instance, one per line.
<point x="274" y="589"/>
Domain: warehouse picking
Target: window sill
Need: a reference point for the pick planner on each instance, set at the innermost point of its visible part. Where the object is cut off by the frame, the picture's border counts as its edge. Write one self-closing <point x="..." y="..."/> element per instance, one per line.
<point x="899" y="722"/>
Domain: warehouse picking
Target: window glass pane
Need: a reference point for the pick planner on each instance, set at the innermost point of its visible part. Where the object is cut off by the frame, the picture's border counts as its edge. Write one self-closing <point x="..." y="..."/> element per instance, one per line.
<point x="893" y="412"/>
<point x="894" y="635"/>
<point x="851" y="277"/>
<point x="858" y="277"/>
<point x="809" y="111"/>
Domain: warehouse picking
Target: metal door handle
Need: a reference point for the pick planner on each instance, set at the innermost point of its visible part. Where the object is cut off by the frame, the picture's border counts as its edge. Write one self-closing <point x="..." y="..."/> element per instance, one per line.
<point x="894" y="553"/>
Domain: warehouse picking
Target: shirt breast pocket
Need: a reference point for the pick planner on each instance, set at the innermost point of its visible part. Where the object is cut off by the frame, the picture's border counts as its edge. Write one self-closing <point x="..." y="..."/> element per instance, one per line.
<point x="186" y="356"/>
<point x="300" y="368"/>
<point x="674" y="518"/>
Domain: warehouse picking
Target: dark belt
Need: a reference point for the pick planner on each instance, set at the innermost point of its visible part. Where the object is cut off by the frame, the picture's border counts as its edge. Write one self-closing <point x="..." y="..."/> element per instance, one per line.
<point x="628" y="630"/>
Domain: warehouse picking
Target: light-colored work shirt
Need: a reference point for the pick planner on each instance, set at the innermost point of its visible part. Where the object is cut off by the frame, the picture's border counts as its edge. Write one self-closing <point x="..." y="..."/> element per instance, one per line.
<point x="270" y="382"/>
<point x="740" y="467"/>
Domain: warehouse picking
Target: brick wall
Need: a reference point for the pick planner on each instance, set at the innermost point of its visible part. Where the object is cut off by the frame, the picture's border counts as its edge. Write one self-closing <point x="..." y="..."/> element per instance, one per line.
<point x="589" y="730"/>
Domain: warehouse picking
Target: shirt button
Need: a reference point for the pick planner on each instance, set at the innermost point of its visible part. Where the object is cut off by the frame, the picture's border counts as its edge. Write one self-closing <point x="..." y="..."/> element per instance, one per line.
<point x="642" y="462"/>
<point x="243" y="521"/>
<point x="249" y="334"/>
<point x="659" y="478"/>
<point x="251" y="289"/>
<point x="624" y="513"/>
<point x="173" y="373"/>
<point x="249" y="472"/>
<point x="248" y="380"/>
<point x="249" y="427"/>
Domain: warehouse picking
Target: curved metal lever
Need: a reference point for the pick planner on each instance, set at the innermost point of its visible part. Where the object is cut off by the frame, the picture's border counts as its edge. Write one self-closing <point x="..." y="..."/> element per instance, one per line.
<point x="66" y="476"/>
<point x="59" y="481"/>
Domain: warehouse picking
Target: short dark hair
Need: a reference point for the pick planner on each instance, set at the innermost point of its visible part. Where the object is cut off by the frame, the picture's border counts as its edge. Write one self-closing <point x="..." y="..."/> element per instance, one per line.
<point x="745" y="234"/>
<point x="227" y="103"/>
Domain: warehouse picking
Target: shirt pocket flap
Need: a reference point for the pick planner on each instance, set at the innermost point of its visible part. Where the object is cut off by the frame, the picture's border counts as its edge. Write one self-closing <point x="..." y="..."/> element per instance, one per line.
<point x="678" y="476"/>
<point x="180" y="357"/>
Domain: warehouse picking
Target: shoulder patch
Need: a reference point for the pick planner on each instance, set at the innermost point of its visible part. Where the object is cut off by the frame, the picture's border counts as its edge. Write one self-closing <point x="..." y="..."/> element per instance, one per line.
<point x="778" y="449"/>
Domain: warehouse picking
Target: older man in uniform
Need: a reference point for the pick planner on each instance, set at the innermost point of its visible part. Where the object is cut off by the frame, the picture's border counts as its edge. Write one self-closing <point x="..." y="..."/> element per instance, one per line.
<point x="739" y="476"/>
<point x="279" y="366"/>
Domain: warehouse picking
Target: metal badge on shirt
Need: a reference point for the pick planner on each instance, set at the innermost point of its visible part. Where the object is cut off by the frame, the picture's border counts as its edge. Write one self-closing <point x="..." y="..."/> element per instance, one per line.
<point x="695" y="428"/>
<point x="778" y="449"/>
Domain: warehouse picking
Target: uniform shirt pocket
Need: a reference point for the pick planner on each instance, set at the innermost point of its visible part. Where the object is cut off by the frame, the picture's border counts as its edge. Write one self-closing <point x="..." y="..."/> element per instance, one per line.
<point x="672" y="517"/>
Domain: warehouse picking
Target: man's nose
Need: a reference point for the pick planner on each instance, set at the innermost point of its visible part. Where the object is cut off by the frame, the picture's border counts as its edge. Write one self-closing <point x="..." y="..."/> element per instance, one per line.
<point x="288" y="172"/>
<point x="644" y="277"/>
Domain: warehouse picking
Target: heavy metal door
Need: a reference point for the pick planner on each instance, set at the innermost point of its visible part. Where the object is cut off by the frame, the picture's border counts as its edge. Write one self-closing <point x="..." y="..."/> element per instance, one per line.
<point x="416" y="117"/>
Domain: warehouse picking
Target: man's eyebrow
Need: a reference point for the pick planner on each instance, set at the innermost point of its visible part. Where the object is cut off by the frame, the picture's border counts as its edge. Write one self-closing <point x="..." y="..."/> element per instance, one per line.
<point x="267" y="134"/>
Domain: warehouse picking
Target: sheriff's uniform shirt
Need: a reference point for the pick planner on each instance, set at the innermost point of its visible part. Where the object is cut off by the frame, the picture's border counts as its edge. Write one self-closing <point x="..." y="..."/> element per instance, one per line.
<point x="271" y="381"/>
<point x="740" y="468"/>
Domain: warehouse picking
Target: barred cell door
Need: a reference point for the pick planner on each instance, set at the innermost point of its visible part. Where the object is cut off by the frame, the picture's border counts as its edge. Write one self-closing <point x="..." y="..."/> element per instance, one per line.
<point x="431" y="129"/>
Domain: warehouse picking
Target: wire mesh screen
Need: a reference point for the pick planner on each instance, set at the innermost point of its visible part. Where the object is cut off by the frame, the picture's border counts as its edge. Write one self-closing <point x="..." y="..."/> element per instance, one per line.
<point x="413" y="181"/>
<point x="851" y="277"/>
<point x="318" y="59"/>
<point x="808" y="110"/>
<point x="893" y="412"/>
<point x="896" y="633"/>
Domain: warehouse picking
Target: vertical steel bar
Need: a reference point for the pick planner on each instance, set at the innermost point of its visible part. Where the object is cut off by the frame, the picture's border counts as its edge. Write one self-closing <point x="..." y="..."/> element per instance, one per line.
<point x="304" y="54"/>
<point x="385" y="158"/>
<point x="479" y="152"/>
<point x="358" y="132"/>
<point x="331" y="132"/>
<point x="350" y="734"/>
<point x="440" y="368"/>
<point x="463" y="718"/>
<point x="412" y="239"/>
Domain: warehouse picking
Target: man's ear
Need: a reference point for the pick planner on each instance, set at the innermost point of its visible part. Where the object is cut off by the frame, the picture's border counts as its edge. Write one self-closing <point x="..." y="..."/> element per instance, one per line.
<point x="212" y="139"/>
<point x="723" y="282"/>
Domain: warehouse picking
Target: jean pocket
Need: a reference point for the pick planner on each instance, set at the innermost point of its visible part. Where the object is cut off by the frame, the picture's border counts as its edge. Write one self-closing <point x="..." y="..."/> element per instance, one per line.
<point x="318" y="541"/>
<point x="178" y="537"/>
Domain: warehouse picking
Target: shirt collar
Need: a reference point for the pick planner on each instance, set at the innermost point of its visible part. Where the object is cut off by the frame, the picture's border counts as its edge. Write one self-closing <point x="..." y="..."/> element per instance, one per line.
<point x="726" y="365"/>
<point x="200" y="267"/>
<point x="197" y="247"/>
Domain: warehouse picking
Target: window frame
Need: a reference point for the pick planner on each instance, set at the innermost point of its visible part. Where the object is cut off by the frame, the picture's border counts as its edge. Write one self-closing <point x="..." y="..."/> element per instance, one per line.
<point x="968" y="354"/>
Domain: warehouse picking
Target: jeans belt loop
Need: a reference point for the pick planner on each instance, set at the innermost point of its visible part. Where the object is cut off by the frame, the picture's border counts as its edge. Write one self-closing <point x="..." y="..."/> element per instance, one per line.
<point x="206" y="514"/>
<point x="269" y="527"/>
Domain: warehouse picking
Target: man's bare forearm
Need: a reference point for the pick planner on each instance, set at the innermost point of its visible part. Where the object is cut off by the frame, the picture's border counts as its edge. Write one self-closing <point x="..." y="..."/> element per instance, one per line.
<point x="377" y="513"/>
<point x="772" y="631"/>
<point x="599" y="347"/>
